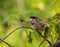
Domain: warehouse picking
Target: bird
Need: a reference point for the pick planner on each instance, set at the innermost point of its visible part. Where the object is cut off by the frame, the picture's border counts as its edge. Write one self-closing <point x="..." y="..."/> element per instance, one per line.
<point x="37" y="24"/>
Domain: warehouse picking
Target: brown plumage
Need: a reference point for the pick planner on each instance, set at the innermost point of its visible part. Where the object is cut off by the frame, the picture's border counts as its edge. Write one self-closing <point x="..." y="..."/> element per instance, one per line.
<point x="37" y="23"/>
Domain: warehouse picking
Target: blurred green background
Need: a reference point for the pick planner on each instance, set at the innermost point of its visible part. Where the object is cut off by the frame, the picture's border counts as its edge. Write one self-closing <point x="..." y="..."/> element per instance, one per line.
<point x="11" y="11"/>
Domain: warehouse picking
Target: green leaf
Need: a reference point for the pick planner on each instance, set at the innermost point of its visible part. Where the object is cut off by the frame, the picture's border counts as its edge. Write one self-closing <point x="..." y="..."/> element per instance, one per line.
<point x="47" y="31"/>
<point x="57" y="27"/>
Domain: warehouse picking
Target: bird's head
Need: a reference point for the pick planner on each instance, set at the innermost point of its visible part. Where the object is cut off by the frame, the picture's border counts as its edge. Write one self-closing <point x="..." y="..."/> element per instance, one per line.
<point x="33" y="17"/>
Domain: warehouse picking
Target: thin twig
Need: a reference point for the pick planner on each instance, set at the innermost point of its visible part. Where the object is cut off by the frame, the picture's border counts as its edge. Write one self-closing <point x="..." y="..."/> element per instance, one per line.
<point x="5" y="42"/>
<point x="41" y="43"/>
<point x="14" y="31"/>
<point x="44" y="38"/>
<point x="24" y="27"/>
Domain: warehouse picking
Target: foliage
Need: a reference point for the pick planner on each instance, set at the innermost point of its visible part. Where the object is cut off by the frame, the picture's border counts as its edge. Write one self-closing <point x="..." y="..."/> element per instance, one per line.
<point x="10" y="16"/>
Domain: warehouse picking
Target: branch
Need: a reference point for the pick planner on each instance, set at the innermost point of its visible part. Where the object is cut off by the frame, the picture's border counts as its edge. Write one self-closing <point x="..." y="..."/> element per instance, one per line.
<point x="41" y="43"/>
<point x="5" y="42"/>
<point x="44" y="38"/>
<point x="14" y="31"/>
<point x="24" y="27"/>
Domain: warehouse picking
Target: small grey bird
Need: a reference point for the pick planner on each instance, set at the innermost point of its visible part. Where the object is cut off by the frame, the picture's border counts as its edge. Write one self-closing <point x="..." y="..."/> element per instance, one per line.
<point x="37" y="23"/>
